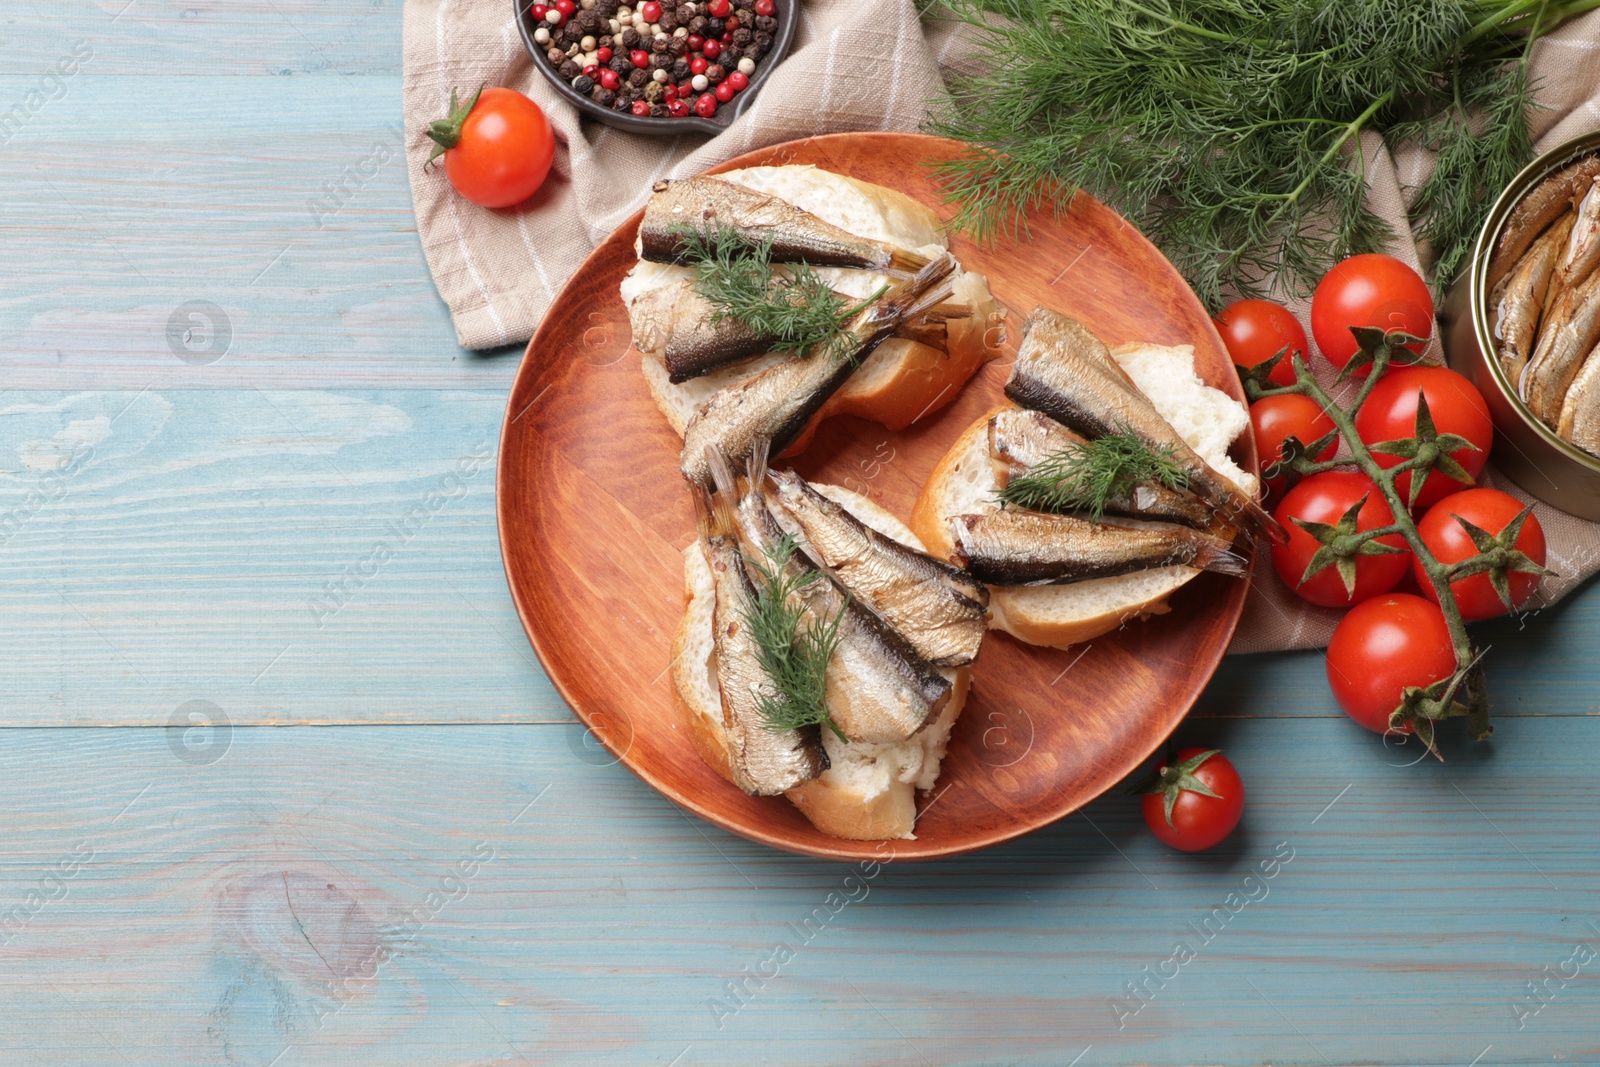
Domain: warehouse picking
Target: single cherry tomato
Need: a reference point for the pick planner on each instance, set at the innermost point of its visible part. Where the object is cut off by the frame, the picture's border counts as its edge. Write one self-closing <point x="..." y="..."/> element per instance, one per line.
<point x="1390" y="413"/>
<point x="497" y="149"/>
<point x="1325" y="498"/>
<point x="1380" y="648"/>
<point x="1195" y="802"/>
<point x="1257" y="330"/>
<point x="1491" y="511"/>
<point x="1368" y="290"/>
<point x="1278" y="417"/>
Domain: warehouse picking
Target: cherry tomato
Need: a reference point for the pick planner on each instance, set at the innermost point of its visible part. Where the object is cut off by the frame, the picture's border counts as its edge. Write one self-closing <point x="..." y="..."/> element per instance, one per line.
<point x="1325" y="498"/>
<point x="1491" y="511"/>
<point x="1368" y="290"/>
<point x="1277" y="417"/>
<point x="497" y="150"/>
<point x="1257" y="330"/>
<point x="1390" y="413"/>
<point x="1197" y="821"/>
<point x="1382" y="646"/>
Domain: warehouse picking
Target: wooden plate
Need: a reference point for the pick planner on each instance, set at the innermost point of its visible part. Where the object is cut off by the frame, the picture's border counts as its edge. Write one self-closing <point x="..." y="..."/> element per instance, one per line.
<point x="593" y="516"/>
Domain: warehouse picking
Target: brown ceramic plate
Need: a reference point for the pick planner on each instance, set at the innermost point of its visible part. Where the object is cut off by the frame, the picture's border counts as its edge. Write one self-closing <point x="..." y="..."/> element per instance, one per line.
<point x="593" y="516"/>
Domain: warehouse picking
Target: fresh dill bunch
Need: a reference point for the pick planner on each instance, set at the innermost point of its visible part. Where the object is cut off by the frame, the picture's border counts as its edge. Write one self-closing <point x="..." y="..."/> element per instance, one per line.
<point x="1090" y="474"/>
<point x="789" y="303"/>
<point x="793" y="653"/>
<point x="1229" y="130"/>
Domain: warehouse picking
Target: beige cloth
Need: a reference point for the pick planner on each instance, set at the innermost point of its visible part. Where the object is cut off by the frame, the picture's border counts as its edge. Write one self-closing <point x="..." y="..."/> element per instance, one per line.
<point x="499" y="270"/>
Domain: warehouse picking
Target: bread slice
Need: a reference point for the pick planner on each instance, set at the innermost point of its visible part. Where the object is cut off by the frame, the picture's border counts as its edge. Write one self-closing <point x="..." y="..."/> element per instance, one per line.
<point x="869" y="791"/>
<point x="963" y="483"/>
<point x="900" y="382"/>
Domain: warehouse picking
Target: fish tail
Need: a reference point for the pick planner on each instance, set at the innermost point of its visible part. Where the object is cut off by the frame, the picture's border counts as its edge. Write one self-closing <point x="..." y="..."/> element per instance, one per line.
<point x="1218" y="556"/>
<point x="903" y="262"/>
<point x="720" y="501"/>
<point x="756" y="468"/>
<point x="930" y="287"/>
<point x="1260" y="520"/>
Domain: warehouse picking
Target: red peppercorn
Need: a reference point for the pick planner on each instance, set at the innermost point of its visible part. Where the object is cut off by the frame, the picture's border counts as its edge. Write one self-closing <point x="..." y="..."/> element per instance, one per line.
<point x="650" y="10"/>
<point x="719" y="8"/>
<point x="603" y="55"/>
<point x="731" y="25"/>
<point x="695" y="42"/>
<point x="641" y="108"/>
<point x="724" y="92"/>
<point x="670" y="93"/>
<point x="698" y="65"/>
<point x="685" y="91"/>
<point x="713" y="49"/>
<point x="726" y="38"/>
<point x="706" y="106"/>
<point x="610" y="79"/>
<point x="639" y="58"/>
<point x="539" y="12"/>
<point x="567" y="9"/>
<point x="765" y="7"/>
<point x="678" y="109"/>
<point x="591" y="70"/>
<point x="738" y="80"/>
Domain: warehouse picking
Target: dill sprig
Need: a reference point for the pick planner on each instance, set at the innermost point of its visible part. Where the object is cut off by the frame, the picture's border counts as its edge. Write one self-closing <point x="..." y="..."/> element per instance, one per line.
<point x="1229" y="130"/>
<point x="794" y="655"/>
<point x="1088" y="475"/>
<point x="790" y="304"/>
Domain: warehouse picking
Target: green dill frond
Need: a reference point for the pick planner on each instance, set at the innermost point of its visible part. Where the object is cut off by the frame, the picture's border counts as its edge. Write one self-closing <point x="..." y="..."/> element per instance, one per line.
<point x="1088" y="476"/>
<point x="789" y="303"/>
<point x="1230" y="131"/>
<point x="793" y="652"/>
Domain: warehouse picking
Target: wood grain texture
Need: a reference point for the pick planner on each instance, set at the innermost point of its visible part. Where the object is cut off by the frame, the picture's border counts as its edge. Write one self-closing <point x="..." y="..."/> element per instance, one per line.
<point x="223" y="911"/>
<point x="594" y="515"/>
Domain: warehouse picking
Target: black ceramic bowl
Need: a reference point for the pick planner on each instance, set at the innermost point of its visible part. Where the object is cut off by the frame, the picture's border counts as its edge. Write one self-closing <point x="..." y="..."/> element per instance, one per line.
<point x="622" y="120"/>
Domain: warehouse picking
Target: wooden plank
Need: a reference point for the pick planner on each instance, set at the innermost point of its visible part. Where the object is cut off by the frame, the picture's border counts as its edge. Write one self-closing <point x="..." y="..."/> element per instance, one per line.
<point x="164" y="38"/>
<point x="289" y="556"/>
<point x="132" y="203"/>
<point x="279" y="895"/>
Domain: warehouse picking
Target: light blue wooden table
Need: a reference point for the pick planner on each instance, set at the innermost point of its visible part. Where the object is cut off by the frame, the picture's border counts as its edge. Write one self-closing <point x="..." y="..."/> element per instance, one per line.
<point x="238" y="828"/>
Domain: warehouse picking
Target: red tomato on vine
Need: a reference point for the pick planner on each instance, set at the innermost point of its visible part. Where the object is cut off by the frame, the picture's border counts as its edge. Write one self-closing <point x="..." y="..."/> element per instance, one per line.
<point x="1369" y="290"/>
<point x="1457" y="413"/>
<point x="1381" y="647"/>
<point x="1494" y="514"/>
<point x="1257" y="330"/>
<point x="1326" y="501"/>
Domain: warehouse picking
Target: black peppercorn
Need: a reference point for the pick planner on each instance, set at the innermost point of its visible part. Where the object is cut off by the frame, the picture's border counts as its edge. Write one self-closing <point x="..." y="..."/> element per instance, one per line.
<point x="620" y="103"/>
<point x="556" y="57"/>
<point x="715" y="73"/>
<point x="570" y="70"/>
<point x="680" y="70"/>
<point x="698" y="25"/>
<point x="729" y="57"/>
<point x="630" y="37"/>
<point x="743" y="36"/>
<point x="602" y="96"/>
<point x="766" y="23"/>
<point x="653" y="91"/>
<point x="668" y="23"/>
<point x="763" y="41"/>
<point x="684" y="13"/>
<point x="680" y="46"/>
<point x="582" y="83"/>
<point x="715" y="27"/>
<point x="639" y="78"/>
<point x="607" y="8"/>
<point x="661" y="61"/>
<point x="658" y="111"/>
<point x="620" y="64"/>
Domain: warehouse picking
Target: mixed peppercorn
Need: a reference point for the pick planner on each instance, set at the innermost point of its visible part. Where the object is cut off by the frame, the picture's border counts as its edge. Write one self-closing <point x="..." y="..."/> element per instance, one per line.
<point x="658" y="60"/>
